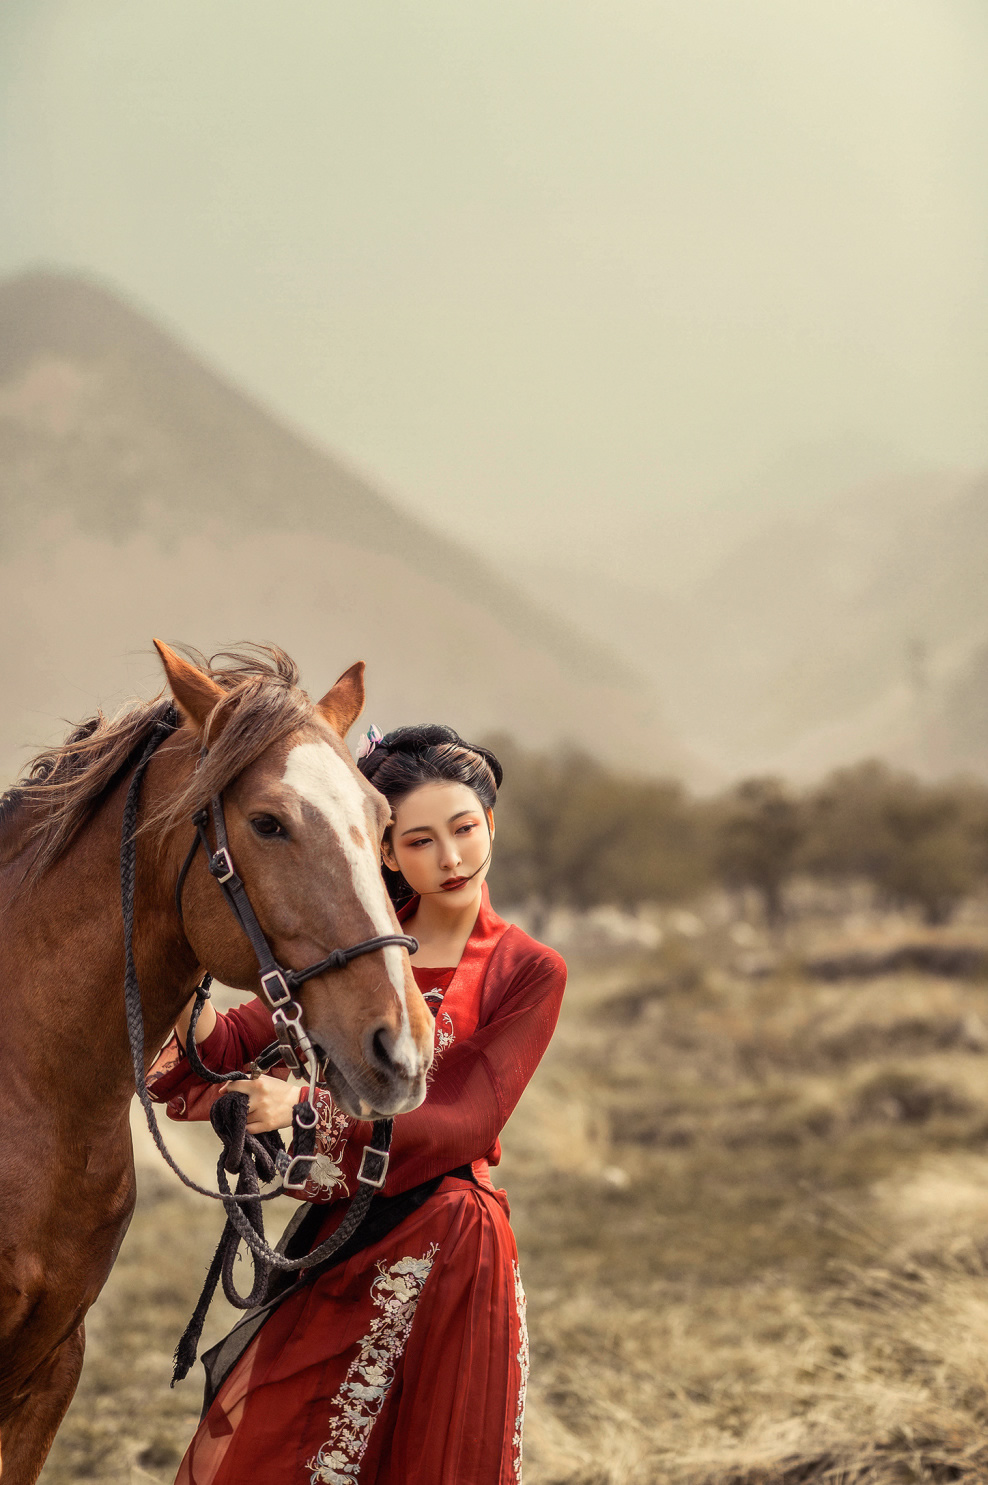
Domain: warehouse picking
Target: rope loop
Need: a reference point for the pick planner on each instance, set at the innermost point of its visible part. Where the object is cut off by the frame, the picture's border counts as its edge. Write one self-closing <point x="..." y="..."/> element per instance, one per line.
<point x="255" y="1160"/>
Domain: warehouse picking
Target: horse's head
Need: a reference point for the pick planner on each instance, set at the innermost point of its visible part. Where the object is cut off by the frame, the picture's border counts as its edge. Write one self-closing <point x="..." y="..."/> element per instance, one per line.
<point x="304" y="831"/>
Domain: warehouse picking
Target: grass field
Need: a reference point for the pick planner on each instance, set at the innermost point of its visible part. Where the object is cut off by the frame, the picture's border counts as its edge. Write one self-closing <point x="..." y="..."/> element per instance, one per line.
<point x="753" y="1216"/>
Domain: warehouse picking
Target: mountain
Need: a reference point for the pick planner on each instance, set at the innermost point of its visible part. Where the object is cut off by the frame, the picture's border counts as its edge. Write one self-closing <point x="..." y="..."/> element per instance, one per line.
<point x="859" y="628"/>
<point x="141" y="494"/>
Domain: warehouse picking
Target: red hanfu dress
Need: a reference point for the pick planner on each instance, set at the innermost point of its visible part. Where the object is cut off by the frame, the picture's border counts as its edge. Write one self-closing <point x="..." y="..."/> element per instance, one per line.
<point x="406" y="1364"/>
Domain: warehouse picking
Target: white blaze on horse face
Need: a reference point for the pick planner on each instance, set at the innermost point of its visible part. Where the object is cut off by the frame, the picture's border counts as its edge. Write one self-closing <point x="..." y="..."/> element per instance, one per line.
<point x="322" y="778"/>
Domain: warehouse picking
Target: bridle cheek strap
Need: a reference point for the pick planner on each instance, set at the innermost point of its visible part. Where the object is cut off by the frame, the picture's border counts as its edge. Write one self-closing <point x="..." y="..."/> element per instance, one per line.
<point x="258" y="1157"/>
<point x="278" y="985"/>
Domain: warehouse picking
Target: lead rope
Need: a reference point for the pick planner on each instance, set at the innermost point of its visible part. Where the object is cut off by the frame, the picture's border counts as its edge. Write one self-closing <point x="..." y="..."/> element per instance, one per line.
<point x="254" y="1160"/>
<point x="251" y="1157"/>
<point x="133" y="1005"/>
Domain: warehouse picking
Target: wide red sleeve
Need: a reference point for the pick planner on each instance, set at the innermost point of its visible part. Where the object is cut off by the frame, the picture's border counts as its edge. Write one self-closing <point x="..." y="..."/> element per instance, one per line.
<point x="475" y="1085"/>
<point x="235" y="1040"/>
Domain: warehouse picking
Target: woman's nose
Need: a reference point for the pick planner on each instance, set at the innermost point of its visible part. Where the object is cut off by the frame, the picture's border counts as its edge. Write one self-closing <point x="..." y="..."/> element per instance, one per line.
<point x="450" y="856"/>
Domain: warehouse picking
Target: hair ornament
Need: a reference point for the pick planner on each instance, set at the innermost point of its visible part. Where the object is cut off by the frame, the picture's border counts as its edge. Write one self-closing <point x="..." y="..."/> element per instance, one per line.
<point x="372" y="738"/>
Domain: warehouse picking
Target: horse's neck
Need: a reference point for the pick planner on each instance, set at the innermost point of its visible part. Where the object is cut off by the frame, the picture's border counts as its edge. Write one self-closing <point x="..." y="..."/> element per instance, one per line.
<point x="63" y="941"/>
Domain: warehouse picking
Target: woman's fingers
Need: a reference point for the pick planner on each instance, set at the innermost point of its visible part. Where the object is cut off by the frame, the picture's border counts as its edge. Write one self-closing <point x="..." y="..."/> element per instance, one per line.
<point x="270" y="1102"/>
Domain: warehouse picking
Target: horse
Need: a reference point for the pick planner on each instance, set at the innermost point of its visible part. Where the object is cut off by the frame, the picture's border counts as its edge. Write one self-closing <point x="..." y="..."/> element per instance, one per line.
<point x="304" y="828"/>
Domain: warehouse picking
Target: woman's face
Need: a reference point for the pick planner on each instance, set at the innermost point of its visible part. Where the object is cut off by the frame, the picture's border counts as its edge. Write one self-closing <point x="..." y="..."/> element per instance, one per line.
<point x="440" y="842"/>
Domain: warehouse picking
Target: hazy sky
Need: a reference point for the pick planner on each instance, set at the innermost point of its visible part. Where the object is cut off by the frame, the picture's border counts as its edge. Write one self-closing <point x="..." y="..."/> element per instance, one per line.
<point x="557" y="272"/>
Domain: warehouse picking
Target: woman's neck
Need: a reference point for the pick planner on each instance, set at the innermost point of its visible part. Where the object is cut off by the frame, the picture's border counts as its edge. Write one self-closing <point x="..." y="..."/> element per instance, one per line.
<point x="442" y="931"/>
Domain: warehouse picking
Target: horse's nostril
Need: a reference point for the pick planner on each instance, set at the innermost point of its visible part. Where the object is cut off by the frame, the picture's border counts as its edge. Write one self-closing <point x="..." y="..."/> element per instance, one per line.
<point x="381" y="1052"/>
<point x="392" y="1054"/>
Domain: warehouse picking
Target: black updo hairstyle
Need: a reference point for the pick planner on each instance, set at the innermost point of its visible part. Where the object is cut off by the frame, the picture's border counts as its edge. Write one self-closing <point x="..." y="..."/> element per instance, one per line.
<point x="409" y="757"/>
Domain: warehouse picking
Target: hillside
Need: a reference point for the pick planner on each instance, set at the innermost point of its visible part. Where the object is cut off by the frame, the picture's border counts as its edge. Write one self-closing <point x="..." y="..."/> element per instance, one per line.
<point x="858" y="628"/>
<point x="142" y="494"/>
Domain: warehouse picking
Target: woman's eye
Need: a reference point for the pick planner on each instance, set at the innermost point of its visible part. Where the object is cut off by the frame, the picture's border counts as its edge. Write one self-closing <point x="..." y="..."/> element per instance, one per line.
<point x="463" y="829"/>
<point x="423" y="842"/>
<point x="267" y="825"/>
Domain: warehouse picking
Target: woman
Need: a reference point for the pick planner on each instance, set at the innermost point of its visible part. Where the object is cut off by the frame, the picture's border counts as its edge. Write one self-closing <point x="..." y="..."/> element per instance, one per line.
<point x="405" y="1364"/>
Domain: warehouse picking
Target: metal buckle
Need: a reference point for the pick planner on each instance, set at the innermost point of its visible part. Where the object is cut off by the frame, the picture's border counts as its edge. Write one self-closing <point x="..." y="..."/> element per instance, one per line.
<point x="289" y="1059"/>
<point x="289" y="1015"/>
<point x="302" y="1044"/>
<point x="377" y="1162"/>
<point x="293" y="1182"/>
<point x="221" y="865"/>
<point x="276" y="978"/>
<point x="289" y="1030"/>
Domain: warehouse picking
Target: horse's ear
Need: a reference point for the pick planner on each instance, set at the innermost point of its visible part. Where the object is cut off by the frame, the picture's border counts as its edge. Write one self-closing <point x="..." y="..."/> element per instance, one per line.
<point x="342" y="705"/>
<point x="195" y="692"/>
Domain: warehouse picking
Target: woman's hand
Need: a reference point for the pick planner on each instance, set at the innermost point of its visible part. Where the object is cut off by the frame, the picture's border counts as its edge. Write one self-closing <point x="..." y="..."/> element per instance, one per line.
<point x="271" y="1102"/>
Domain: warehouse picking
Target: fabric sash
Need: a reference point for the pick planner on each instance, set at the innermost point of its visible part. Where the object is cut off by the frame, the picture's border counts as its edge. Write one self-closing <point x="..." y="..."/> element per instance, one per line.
<point x="383" y="1216"/>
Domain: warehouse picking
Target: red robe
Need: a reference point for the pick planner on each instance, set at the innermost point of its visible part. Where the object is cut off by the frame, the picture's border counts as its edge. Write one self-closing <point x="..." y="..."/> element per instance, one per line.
<point x="407" y="1364"/>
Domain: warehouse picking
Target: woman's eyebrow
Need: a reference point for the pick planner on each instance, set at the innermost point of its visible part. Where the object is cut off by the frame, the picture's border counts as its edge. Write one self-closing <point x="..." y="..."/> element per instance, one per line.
<point x="425" y="829"/>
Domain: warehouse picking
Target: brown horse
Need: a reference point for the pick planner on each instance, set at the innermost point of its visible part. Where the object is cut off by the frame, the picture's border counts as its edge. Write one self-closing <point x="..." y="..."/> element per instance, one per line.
<point x="304" y="829"/>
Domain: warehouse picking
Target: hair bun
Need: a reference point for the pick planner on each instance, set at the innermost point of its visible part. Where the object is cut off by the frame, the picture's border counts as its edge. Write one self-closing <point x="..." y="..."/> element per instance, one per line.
<point x="417" y="741"/>
<point x="370" y="764"/>
<point x="490" y="759"/>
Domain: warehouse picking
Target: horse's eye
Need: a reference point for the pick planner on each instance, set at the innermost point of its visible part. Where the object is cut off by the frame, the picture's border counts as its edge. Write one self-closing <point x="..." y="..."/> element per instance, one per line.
<point x="267" y="825"/>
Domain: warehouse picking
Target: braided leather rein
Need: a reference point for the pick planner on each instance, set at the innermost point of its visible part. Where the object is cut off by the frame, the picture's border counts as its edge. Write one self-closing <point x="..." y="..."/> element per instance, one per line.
<point x="252" y="1159"/>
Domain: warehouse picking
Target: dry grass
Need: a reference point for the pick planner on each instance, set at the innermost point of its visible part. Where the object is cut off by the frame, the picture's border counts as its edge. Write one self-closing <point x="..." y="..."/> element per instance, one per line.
<point x="753" y="1216"/>
<point x="791" y="1286"/>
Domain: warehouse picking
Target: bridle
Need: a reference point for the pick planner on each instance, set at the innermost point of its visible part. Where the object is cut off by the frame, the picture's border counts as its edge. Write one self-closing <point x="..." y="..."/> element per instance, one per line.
<point x="252" y="1158"/>
<point x="278" y="985"/>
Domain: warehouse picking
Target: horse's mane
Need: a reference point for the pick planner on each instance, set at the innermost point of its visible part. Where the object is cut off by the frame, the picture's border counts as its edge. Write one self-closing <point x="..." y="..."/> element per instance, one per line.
<point x="62" y="787"/>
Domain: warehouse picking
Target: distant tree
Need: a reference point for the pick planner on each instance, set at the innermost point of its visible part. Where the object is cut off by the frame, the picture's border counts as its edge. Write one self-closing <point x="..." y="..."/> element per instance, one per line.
<point x="661" y="854"/>
<point x="922" y="845"/>
<point x="573" y="833"/>
<point x="846" y="828"/>
<point x="758" y="830"/>
<point x="935" y="860"/>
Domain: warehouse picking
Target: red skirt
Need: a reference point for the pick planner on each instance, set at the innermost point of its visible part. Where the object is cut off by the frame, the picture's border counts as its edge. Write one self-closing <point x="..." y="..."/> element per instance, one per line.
<point x="406" y="1365"/>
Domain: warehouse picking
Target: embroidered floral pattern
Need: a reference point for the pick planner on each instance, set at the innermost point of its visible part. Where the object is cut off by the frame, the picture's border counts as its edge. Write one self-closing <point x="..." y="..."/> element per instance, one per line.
<point x="522" y="1357"/>
<point x="395" y="1293"/>
<point x="445" y="1031"/>
<point x="326" y="1175"/>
